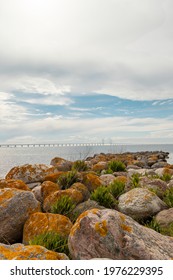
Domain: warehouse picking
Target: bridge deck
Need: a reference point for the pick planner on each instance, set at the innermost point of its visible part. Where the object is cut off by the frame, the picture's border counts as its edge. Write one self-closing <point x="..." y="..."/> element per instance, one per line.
<point x="24" y="145"/>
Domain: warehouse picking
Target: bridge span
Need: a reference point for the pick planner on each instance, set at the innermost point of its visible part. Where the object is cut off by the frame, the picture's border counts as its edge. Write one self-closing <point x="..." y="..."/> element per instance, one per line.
<point x="29" y="145"/>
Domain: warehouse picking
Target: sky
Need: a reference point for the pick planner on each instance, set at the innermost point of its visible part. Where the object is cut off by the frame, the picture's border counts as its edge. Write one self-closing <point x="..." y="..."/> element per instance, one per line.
<point x="86" y="71"/>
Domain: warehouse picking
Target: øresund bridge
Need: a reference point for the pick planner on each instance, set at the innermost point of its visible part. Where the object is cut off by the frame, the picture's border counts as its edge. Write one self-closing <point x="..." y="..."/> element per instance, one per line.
<point x="29" y="145"/>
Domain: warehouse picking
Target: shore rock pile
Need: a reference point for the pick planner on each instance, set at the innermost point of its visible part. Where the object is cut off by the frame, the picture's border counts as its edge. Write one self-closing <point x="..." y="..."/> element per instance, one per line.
<point x="115" y="206"/>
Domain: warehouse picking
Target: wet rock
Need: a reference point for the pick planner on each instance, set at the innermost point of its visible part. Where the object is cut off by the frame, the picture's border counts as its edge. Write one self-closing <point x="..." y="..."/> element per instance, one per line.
<point x="110" y="234"/>
<point x="140" y="203"/>
<point x="15" y="208"/>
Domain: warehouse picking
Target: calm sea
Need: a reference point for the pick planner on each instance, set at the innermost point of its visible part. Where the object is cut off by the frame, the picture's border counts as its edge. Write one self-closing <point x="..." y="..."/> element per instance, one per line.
<point x="10" y="157"/>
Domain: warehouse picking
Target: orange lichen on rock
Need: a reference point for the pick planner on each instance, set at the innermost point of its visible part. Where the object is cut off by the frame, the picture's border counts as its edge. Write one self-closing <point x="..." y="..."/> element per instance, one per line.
<point x="91" y="181"/>
<point x="33" y="252"/>
<point x="48" y="187"/>
<point x="39" y="223"/>
<point x="11" y="183"/>
<point x="53" y="177"/>
<point x="126" y="228"/>
<point x="81" y="188"/>
<point x="101" y="228"/>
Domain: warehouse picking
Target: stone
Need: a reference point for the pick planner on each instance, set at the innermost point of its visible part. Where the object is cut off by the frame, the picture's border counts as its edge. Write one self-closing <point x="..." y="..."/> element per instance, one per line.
<point x="30" y="173"/>
<point x="38" y="194"/>
<point x="110" y="234"/>
<point x="39" y="223"/>
<point x="91" y="181"/>
<point x="140" y="203"/>
<point x="164" y="170"/>
<point x="81" y="188"/>
<point x="156" y="185"/>
<point x="86" y="205"/>
<point x="15" y="208"/>
<point x="48" y="187"/>
<point x="101" y="165"/>
<point x="12" y="183"/>
<point x="53" y="177"/>
<point x="34" y="252"/>
<point x="61" y="164"/>
<point x="107" y="179"/>
<point x="165" y="221"/>
<point x="50" y="200"/>
<point x="33" y="185"/>
<point x="159" y="164"/>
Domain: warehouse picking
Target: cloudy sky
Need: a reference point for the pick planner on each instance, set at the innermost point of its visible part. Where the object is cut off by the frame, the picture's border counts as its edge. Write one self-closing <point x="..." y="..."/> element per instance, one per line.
<point x="86" y="71"/>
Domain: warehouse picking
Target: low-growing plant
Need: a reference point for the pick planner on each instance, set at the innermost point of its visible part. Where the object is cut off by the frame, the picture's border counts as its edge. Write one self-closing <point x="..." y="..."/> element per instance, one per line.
<point x="64" y="206"/>
<point x="168" y="197"/>
<point x="80" y="165"/>
<point x="116" y="188"/>
<point x="52" y="241"/>
<point x="116" y="165"/>
<point x="135" y="180"/>
<point x="166" y="177"/>
<point x="152" y="223"/>
<point x="103" y="196"/>
<point x="67" y="179"/>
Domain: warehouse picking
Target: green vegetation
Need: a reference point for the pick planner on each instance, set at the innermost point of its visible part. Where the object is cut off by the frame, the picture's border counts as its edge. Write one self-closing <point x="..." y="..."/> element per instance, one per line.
<point x="79" y="165"/>
<point x="67" y="179"/>
<point x="135" y="180"/>
<point x="103" y="196"/>
<point x="151" y="223"/>
<point x="166" y="177"/>
<point x="52" y="241"/>
<point x="115" y="166"/>
<point x="116" y="188"/>
<point x="168" y="197"/>
<point x="64" y="206"/>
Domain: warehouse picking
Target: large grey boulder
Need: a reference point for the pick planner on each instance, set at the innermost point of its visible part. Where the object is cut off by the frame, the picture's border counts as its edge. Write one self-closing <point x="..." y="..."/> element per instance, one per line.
<point x="15" y="208"/>
<point x="110" y="234"/>
<point x="140" y="203"/>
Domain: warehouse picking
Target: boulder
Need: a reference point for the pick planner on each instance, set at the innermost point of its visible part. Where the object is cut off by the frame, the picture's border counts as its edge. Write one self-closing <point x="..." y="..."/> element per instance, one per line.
<point x="101" y="165"/>
<point x="48" y="187"/>
<point x="140" y="203"/>
<point x="30" y="173"/>
<point x="50" y="200"/>
<point x="165" y="221"/>
<point x="15" y="208"/>
<point x="86" y="205"/>
<point x="159" y="164"/>
<point x="39" y="223"/>
<point x="156" y="185"/>
<point x="35" y="252"/>
<point x="81" y="188"/>
<point x="107" y="179"/>
<point x="61" y="164"/>
<point x="91" y="181"/>
<point x="12" y="183"/>
<point x="38" y="193"/>
<point x="110" y="234"/>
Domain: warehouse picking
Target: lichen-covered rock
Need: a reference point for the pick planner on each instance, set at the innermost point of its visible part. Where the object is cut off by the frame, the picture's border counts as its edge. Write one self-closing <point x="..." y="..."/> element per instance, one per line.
<point x="39" y="223"/>
<point x="38" y="193"/>
<point x="156" y="185"/>
<point x="140" y="203"/>
<point x="107" y="179"/>
<point x="86" y="205"/>
<point x="50" y="200"/>
<point x="48" y="187"/>
<point x="92" y="181"/>
<point x="110" y="234"/>
<point x="34" y="252"/>
<point x="53" y="177"/>
<point x="163" y="171"/>
<point x="81" y="188"/>
<point x="12" y="183"/>
<point x="61" y="164"/>
<point x="165" y="221"/>
<point x="15" y="208"/>
<point x="30" y="173"/>
<point x="101" y="165"/>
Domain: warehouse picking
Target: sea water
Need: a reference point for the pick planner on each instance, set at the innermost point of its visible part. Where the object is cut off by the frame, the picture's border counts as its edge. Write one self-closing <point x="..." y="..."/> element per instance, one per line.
<point x="10" y="157"/>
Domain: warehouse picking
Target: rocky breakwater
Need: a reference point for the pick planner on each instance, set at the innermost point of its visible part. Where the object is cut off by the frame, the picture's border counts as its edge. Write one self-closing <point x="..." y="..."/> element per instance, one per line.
<point x="115" y="206"/>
